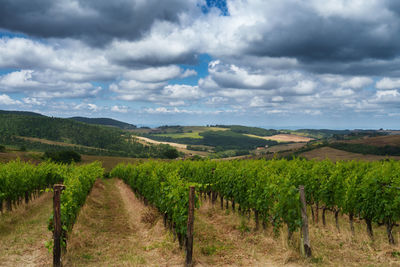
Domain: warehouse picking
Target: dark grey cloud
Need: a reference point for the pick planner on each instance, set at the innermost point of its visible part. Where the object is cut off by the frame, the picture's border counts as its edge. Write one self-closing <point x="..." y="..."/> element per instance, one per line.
<point x="311" y="36"/>
<point x="189" y="58"/>
<point x="95" y="21"/>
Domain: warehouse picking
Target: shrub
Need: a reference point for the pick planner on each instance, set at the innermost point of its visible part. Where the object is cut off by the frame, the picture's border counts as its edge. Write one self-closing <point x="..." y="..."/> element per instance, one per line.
<point x="66" y="156"/>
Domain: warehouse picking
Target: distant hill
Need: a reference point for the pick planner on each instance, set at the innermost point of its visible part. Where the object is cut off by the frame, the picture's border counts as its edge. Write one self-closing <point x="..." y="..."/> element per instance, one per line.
<point x="93" y="139"/>
<point x="25" y="113"/>
<point x="105" y="122"/>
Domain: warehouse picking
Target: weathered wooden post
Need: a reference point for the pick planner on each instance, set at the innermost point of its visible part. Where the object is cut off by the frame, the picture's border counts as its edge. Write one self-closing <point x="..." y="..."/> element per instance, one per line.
<point x="26" y="197"/>
<point x="306" y="240"/>
<point x="9" y="204"/>
<point x="57" y="225"/>
<point x="189" y="232"/>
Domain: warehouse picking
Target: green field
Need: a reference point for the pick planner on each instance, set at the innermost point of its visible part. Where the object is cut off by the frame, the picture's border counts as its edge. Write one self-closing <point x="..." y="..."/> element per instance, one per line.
<point x="194" y="135"/>
<point x="191" y="132"/>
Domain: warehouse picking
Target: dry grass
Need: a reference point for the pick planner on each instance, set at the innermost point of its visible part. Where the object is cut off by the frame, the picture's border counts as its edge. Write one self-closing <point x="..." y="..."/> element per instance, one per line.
<point x="33" y="157"/>
<point x="151" y="141"/>
<point x="179" y="147"/>
<point x="114" y="228"/>
<point x="336" y="155"/>
<point x="150" y="216"/>
<point x="284" y="138"/>
<point x="285" y="147"/>
<point x="23" y="233"/>
<point x="110" y="232"/>
<point x="223" y="238"/>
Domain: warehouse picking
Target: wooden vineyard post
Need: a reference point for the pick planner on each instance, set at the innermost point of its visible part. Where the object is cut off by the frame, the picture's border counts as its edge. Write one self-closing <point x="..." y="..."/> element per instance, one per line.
<point x="189" y="232"/>
<point x="57" y="225"/>
<point x="306" y="240"/>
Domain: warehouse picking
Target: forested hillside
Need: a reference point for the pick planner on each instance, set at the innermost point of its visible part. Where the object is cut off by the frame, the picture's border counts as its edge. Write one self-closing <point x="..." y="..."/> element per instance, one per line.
<point x="104" y="140"/>
<point x="26" y="113"/>
<point x="105" y="122"/>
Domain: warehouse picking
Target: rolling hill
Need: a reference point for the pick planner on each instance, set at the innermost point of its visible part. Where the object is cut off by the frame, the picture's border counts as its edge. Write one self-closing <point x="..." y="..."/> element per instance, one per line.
<point x="25" y="113"/>
<point x="17" y="128"/>
<point x="105" y="122"/>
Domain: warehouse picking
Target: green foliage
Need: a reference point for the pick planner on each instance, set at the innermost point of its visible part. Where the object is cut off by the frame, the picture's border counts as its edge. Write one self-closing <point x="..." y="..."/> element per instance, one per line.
<point x="105" y="122"/>
<point x="368" y="149"/>
<point x="161" y="185"/>
<point x="253" y="130"/>
<point x="85" y="138"/>
<point x="171" y="153"/>
<point x="66" y="156"/>
<point x="368" y="190"/>
<point x="78" y="182"/>
<point x="321" y="133"/>
<point x="2" y="148"/>
<point x="225" y="140"/>
<point x="18" y="178"/>
<point x="221" y="140"/>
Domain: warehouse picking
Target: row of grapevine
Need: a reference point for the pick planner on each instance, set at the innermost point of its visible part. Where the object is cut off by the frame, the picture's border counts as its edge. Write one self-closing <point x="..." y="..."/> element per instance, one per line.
<point x="78" y="182"/>
<point x="254" y="185"/>
<point x="159" y="184"/>
<point x="20" y="180"/>
<point x="367" y="190"/>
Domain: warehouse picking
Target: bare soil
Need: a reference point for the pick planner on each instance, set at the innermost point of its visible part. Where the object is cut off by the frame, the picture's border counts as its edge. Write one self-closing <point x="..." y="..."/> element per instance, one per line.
<point x="336" y="155"/>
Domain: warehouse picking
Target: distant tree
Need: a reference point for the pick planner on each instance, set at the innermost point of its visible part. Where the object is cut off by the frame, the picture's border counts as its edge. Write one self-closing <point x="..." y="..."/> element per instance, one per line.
<point x="66" y="156"/>
<point x="2" y="148"/>
<point x="171" y="153"/>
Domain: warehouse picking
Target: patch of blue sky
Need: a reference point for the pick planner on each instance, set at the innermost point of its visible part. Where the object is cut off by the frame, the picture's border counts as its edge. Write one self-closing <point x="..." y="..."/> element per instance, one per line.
<point x="8" y="34"/>
<point x="220" y="4"/>
<point x="7" y="71"/>
<point x="201" y="68"/>
<point x="372" y="87"/>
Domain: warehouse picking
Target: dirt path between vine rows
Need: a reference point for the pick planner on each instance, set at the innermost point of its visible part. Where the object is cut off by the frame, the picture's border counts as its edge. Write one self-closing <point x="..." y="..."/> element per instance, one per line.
<point x="223" y="238"/>
<point x="23" y="233"/>
<point x="114" y="228"/>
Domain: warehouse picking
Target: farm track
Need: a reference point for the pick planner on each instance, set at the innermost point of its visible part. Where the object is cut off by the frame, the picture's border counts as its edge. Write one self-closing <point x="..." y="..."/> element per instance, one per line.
<point x="114" y="228"/>
<point x="23" y="233"/>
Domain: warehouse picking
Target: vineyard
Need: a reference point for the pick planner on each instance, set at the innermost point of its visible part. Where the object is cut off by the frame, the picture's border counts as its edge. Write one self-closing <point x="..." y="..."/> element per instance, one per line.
<point x="23" y="180"/>
<point x="270" y="190"/>
<point x="364" y="194"/>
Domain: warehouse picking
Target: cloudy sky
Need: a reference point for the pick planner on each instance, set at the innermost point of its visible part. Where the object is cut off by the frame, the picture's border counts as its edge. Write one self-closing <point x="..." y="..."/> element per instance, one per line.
<point x="271" y="63"/>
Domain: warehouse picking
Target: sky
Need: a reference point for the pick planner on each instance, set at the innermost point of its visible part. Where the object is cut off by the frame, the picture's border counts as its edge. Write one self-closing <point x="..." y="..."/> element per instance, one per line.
<point x="269" y="63"/>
